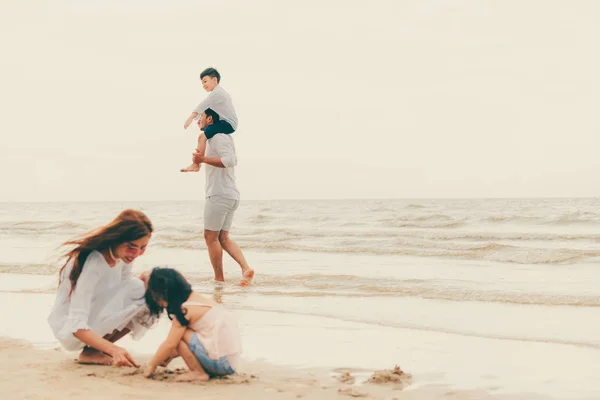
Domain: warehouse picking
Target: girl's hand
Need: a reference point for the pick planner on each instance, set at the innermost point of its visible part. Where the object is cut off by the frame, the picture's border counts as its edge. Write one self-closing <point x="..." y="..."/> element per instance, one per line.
<point x="122" y="358"/>
<point x="144" y="276"/>
<point x="149" y="371"/>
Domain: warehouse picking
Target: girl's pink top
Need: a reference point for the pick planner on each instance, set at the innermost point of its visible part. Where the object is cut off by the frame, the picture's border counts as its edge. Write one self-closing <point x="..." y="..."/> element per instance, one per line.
<point x="218" y="332"/>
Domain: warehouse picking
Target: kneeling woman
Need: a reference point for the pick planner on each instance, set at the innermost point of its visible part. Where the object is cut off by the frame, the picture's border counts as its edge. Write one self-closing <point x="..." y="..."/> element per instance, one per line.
<point x="98" y="299"/>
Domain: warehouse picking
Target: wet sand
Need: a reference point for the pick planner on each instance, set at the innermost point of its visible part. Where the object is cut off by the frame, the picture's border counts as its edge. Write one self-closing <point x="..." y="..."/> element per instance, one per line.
<point x="36" y="374"/>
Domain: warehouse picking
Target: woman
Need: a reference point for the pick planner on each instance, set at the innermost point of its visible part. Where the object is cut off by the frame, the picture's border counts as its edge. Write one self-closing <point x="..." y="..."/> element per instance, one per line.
<point x="98" y="299"/>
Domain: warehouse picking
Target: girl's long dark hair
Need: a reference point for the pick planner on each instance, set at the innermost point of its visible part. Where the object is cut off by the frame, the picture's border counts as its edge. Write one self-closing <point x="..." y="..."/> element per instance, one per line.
<point x="170" y="286"/>
<point x="129" y="225"/>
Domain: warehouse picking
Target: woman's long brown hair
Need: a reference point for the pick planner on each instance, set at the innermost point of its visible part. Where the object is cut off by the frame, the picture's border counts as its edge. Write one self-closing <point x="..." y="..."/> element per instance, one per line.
<point x="128" y="226"/>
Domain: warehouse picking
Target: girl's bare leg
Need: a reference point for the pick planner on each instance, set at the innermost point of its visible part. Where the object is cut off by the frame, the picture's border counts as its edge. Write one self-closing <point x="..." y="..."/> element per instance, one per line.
<point x="196" y="373"/>
<point x="173" y="356"/>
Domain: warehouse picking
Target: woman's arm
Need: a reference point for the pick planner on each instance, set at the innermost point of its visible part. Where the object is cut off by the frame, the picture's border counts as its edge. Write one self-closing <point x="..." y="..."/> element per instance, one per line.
<point x="121" y="357"/>
<point x="79" y="312"/>
<point x="80" y="305"/>
<point x="92" y="339"/>
<point x="127" y="272"/>
<point x="166" y="348"/>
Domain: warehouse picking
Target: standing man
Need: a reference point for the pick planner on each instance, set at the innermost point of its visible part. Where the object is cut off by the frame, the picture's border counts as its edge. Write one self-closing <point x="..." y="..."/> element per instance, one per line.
<point x="222" y="198"/>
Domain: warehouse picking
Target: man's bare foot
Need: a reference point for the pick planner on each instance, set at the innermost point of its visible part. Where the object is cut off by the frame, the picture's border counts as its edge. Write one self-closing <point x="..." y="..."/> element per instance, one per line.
<point x="193" y="377"/>
<point x="95" y="357"/>
<point x="191" y="168"/>
<point x="247" y="277"/>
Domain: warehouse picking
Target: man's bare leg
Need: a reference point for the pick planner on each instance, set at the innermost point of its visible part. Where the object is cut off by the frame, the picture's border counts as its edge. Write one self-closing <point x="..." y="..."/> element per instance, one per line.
<point x="89" y="355"/>
<point x="196" y="373"/>
<point x="215" y="252"/>
<point x="236" y="253"/>
<point x="201" y="149"/>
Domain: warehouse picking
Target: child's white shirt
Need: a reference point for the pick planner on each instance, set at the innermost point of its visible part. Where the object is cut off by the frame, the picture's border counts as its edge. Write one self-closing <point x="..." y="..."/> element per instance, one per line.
<point x="220" y="102"/>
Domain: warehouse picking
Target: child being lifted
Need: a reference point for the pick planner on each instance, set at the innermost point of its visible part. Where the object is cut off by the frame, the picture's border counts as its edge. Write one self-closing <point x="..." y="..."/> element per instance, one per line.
<point x="219" y="101"/>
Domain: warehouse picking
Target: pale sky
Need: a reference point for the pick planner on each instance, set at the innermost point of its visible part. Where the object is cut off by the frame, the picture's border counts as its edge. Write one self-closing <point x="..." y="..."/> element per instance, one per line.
<point x="335" y="98"/>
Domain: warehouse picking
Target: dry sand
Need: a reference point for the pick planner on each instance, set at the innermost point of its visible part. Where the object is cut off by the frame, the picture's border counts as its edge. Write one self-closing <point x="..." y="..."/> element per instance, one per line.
<point x="35" y="374"/>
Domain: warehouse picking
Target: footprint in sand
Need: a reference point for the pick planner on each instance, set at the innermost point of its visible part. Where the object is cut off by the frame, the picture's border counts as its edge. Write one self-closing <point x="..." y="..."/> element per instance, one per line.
<point x="352" y="392"/>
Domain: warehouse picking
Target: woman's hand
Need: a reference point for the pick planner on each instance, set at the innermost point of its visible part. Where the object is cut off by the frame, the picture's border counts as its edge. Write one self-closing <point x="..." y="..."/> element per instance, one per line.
<point x="149" y="371"/>
<point x="122" y="358"/>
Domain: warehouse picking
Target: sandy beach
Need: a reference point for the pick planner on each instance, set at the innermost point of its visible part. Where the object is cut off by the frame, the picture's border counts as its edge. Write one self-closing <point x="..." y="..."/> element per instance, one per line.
<point x="38" y="374"/>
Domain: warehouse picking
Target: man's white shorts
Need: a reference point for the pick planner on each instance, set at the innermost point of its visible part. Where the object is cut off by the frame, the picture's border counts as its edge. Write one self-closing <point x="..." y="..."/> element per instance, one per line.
<point x="218" y="213"/>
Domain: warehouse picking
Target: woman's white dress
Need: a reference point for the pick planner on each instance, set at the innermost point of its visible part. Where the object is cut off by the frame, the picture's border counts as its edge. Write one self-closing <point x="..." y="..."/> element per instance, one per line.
<point x="104" y="299"/>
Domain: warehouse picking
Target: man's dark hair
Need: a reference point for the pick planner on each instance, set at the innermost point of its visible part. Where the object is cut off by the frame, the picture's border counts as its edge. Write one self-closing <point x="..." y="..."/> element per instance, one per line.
<point x="211" y="72"/>
<point x="210" y="113"/>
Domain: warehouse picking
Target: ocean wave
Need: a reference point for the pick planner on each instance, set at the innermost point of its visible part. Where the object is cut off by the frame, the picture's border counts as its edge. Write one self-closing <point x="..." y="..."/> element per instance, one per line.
<point x="30" y="269"/>
<point x="512" y="218"/>
<point x="516" y="236"/>
<point x="578" y="217"/>
<point x="574" y="218"/>
<point x="342" y="286"/>
<point x="441" y="235"/>
<point x="259" y="219"/>
<point x="427" y="224"/>
<point x="428" y="217"/>
<point x="489" y="251"/>
<point x="37" y="227"/>
<point x="318" y="285"/>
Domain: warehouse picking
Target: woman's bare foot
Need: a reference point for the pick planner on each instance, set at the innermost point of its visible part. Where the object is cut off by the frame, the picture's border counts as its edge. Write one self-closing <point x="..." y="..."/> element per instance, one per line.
<point x="247" y="277"/>
<point x="95" y="357"/>
<point x="193" y="377"/>
<point x="191" y="168"/>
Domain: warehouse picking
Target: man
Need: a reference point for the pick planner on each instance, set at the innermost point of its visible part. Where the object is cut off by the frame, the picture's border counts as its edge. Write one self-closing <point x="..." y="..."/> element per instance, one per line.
<point x="221" y="199"/>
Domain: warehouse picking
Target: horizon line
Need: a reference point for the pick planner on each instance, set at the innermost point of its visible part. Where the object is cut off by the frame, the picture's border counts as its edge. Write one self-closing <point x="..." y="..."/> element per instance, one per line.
<point x="311" y="199"/>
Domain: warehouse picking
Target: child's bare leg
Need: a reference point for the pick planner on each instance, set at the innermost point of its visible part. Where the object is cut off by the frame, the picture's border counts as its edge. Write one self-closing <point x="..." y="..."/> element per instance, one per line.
<point x="193" y="167"/>
<point x="89" y="355"/>
<point x="171" y="357"/>
<point x="196" y="373"/>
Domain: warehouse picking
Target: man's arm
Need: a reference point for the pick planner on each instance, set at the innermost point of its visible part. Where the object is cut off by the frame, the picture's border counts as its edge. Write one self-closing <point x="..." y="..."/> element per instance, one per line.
<point x="226" y="154"/>
<point x="214" y="161"/>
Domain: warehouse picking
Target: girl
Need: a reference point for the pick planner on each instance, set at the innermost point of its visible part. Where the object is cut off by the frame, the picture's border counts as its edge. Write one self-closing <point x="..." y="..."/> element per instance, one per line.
<point x="203" y="333"/>
<point x="98" y="300"/>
